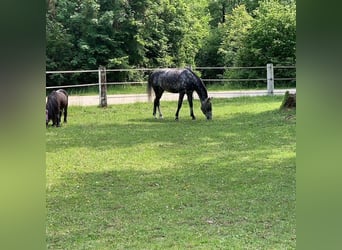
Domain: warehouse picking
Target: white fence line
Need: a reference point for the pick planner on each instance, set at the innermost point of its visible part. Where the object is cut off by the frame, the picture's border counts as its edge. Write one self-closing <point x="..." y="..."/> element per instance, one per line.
<point x="71" y="71"/>
<point x="234" y="80"/>
<point x="71" y="86"/>
<point x="255" y="67"/>
<point x="269" y="76"/>
<point x="144" y="82"/>
<point x="151" y="69"/>
<point x="285" y="67"/>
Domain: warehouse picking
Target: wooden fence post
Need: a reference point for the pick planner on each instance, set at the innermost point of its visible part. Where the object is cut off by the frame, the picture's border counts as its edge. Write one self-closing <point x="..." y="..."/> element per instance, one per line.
<point x="102" y="86"/>
<point x="270" y="79"/>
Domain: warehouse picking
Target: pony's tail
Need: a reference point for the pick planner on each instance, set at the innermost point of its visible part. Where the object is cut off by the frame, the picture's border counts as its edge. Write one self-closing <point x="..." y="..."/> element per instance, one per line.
<point x="149" y="87"/>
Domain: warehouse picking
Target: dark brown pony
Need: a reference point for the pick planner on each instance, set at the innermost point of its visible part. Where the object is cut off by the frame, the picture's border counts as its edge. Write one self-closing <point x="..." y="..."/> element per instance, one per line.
<point x="182" y="81"/>
<point x="57" y="103"/>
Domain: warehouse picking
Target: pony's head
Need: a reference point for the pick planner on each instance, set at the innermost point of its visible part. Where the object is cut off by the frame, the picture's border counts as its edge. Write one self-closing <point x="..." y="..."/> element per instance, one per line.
<point x="206" y="108"/>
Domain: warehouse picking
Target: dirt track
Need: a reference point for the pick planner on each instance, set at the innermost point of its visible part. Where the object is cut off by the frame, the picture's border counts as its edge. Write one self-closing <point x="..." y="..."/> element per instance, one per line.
<point x="132" y="98"/>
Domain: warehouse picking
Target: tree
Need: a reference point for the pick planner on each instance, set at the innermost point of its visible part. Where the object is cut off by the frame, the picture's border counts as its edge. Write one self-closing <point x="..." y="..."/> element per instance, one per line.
<point x="217" y="47"/>
<point x="272" y="37"/>
<point x="234" y="32"/>
<point x="83" y="34"/>
<point x="269" y="37"/>
<point x="58" y="42"/>
<point x="219" y="9"/>
<point x="172" y="34"/>
<point x="208" y="54"/>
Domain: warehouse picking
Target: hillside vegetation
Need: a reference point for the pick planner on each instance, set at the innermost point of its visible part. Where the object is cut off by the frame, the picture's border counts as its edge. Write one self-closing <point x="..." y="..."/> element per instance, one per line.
<point x="168" y="33"/>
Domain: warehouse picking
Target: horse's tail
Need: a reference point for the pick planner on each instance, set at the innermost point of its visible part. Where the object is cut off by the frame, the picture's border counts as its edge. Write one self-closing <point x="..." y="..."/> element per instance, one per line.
<point x="149" y="87"/>
<point x="52" y="104"/>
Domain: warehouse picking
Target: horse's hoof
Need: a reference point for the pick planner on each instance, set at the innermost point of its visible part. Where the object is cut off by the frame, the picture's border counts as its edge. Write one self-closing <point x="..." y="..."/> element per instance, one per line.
<point x="161" y="117"/>
<point x="176" y="119"/>
<point x="193" y="118"/>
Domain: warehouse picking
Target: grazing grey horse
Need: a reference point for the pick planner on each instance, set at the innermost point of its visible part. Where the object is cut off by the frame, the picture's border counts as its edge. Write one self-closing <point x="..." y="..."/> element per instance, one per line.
<point x="182" y="81"/>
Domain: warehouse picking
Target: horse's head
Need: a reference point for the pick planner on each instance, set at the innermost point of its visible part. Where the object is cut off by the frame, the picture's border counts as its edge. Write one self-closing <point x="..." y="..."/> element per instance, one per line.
<point x="206" y="108"/>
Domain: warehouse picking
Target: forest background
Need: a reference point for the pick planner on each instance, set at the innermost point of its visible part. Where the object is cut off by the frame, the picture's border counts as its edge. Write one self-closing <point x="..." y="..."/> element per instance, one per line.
<point x="83" y="34"/>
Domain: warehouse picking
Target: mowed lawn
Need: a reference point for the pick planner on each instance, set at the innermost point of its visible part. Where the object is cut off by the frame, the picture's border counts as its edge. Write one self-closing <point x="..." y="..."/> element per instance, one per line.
<point x="116" y="178"/>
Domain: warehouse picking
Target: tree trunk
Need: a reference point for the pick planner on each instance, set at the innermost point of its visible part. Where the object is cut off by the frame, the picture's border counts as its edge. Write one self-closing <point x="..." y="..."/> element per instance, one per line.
<point x="289" y="101"/>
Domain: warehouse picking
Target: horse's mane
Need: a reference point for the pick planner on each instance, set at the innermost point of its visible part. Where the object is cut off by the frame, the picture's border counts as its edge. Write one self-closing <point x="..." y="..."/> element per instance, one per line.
<point x="197" y="77"/>
<point x="203" y="90"/>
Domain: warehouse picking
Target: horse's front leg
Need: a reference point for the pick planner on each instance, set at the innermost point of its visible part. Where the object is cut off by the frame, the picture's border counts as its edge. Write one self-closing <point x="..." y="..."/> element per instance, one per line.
<point x="190" y="98"/>
<point x="180" y="101"/>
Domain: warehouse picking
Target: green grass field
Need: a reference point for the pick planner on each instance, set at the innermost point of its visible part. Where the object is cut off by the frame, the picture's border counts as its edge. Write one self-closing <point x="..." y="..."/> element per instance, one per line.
<point x="119" y="179"/>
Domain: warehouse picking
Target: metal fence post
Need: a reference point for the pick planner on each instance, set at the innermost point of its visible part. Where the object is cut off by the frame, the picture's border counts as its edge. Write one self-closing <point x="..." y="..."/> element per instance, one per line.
<point x="102" y="86"/>
<point x="270" y="79"/>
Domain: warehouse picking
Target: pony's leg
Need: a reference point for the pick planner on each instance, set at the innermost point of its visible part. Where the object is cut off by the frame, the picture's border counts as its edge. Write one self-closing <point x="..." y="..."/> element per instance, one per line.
<point x="58" y="119"/>
<point x="46" y="117"/>
<point x="65" y="114"/>
<point x="180" y="101"/>
<point x="190" y="98"/>
<point x="54" y="122"/>
<point x="60" y="116"/>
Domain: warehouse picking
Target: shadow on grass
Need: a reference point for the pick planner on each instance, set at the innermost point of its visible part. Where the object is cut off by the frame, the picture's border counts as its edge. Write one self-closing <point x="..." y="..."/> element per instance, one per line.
<point x="205" y="205"/>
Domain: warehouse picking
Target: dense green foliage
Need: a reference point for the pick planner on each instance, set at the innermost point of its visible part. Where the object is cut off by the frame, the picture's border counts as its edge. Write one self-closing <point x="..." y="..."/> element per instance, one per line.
<point x="116" y="178"/>
<point x="166" y="33"/>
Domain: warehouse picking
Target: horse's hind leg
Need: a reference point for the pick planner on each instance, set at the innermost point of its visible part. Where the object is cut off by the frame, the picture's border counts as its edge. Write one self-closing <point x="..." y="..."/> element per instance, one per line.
<point x="155" y="107"/>
<point x="156" y="104"/>
<point x="160" y="113"/>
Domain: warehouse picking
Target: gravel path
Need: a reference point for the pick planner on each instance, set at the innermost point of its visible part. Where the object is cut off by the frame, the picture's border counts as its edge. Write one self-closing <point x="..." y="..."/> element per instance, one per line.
<point x="132" y="98"/>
